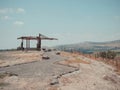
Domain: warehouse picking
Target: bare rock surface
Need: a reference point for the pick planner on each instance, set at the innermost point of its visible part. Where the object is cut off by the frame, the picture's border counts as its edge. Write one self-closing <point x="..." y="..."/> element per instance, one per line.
<point x="93" y="76"/>
<point x="36" y="75"/>
<point x="71" y="72"/>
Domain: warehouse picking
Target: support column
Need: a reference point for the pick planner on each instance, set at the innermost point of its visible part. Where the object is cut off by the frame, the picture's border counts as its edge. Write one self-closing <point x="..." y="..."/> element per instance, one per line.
<point x="27" y="44"/>
<point x="39" y="44"/>
<point x="22" y="48"/>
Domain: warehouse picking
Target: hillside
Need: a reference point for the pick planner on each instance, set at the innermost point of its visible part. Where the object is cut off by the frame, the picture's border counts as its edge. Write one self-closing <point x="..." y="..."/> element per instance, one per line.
<point x="89" y="47"/>
<point x="21" y="70"/>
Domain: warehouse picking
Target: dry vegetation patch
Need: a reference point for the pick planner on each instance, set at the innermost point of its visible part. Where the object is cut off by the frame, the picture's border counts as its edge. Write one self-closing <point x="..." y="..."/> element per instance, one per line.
<point x="73" y="62"/>
<point x="65" y="81"/>
<point x="18" y="57"/>
<point x="77" y="61"/>
<point x="73" y="59"/>
<point x="66" y="54"/>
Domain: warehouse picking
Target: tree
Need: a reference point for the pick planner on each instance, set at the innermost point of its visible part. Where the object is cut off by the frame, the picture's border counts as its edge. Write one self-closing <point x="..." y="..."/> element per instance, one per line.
<point x="108" y="55"/>
<point x="103" y="54"/>
<point x="111" y="54"/>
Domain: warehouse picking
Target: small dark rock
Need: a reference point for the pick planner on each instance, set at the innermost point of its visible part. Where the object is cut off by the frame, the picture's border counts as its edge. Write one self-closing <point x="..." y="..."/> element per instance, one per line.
<point x="54" y="82"/>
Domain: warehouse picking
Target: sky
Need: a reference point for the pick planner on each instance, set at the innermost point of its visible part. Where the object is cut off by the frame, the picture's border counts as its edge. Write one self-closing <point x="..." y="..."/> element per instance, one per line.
<point x="71" y="21"/>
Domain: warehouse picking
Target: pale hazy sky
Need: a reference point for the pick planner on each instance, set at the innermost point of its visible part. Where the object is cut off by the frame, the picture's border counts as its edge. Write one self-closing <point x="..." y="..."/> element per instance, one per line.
<point x="70" y="21"/>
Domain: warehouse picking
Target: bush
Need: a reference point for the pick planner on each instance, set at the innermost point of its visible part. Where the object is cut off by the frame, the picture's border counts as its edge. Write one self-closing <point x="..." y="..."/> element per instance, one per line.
<point x="103" y="54"/>
<point x="111" y="54"/>
<point x="108" y="54"/>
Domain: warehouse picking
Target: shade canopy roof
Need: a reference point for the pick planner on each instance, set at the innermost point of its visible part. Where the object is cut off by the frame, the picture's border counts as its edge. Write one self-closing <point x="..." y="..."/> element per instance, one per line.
<point x="42" y="37"/>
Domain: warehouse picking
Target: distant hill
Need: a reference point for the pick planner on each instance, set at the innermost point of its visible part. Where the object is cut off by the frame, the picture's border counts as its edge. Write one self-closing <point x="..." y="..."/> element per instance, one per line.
<point x="90" y="47"/>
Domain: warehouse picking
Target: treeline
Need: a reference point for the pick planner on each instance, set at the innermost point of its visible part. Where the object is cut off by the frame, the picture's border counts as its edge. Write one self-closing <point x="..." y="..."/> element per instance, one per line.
<point x="106" y="54"/>
<point x="109" y="57"/>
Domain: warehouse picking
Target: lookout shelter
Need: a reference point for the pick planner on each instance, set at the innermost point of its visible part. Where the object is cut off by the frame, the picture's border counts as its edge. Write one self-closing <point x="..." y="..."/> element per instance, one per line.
<point x="38" y="38"/>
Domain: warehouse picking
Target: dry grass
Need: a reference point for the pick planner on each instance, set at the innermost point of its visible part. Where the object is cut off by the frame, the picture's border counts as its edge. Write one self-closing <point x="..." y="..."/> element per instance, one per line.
<point x="113" y="62"/>
<point x="73" y="58"/>
<point x="77" y="61"/>
<point x="66" y="54"/>
<point x="18" y="57"/>
<point x="53" y="88"/>
<point x="65" y="81"/>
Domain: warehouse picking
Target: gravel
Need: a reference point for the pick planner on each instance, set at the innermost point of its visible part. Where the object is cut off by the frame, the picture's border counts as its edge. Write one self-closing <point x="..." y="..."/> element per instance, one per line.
<point x="42" y="70"/>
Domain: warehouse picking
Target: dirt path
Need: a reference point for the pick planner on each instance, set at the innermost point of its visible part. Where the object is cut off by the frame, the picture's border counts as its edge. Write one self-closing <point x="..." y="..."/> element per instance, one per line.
<point x="93" y="76"/>
<point x="33" y="76"/>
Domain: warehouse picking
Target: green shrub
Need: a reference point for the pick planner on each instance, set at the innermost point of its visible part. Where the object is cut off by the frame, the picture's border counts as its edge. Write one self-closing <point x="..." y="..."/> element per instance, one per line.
<point x="108" y="55"/>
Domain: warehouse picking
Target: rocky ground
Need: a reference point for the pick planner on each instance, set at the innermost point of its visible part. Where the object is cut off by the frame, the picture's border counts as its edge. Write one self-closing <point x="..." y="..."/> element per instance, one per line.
<point x="93" y="75"/>
<point x="9" y="58"/>
<point x="36" y="75"/>
<point x="61" y="72"/>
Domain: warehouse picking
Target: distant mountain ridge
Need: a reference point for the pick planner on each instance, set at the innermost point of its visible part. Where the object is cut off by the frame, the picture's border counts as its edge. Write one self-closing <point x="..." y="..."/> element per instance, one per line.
<point x="107" y="42"/>
<point x="91" y="46"/>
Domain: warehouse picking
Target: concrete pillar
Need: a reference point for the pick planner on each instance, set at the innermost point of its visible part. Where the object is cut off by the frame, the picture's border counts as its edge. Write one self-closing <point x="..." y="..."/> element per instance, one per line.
<point x="39" y="44"/>
<point x="27" y="44"/>
<point x="22" y="45"/>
